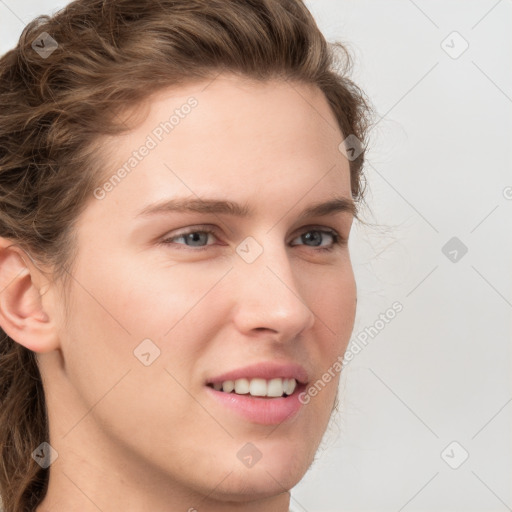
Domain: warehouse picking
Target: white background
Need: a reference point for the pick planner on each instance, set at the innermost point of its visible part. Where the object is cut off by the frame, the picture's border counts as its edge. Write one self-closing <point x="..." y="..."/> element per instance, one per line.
<point x="439" y="167"/>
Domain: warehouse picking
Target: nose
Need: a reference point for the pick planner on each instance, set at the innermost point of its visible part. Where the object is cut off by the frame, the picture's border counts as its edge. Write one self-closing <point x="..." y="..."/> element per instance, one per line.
<point x="269" y="297"/>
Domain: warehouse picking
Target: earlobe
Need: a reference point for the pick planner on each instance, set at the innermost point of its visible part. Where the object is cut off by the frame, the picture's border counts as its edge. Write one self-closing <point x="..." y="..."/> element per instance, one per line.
<point x="22" y="315"/>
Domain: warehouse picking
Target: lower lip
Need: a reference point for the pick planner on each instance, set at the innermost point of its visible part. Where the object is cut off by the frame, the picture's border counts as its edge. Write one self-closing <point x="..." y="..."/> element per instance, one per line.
<point x="265" y="411"/>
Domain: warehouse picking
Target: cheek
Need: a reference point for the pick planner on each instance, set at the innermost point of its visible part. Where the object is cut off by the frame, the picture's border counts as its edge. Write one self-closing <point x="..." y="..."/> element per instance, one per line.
<point x="111" y="312"/>
<point x="333" y="301"/>
<point x="334" y="306"/>
<point x="167" y="303"/>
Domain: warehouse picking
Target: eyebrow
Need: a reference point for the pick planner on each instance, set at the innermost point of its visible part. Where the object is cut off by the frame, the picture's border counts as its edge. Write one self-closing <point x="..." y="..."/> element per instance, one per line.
<point x="225" y="207"/>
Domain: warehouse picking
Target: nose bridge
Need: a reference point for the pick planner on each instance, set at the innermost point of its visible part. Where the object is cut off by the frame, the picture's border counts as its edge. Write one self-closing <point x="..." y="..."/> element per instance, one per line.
<point x="269" y="295"/>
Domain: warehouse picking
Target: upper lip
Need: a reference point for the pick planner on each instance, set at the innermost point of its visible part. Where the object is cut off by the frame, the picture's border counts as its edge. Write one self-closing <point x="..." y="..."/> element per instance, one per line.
<point x="265" y="370"/>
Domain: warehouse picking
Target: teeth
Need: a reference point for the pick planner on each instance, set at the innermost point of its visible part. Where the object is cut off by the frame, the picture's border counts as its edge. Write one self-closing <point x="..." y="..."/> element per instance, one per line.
<point x="258" y="387"/>
<point x="228" y="386"/>
<point x="275" y="387"/>
<point x="241" y="386"/>
<point x="289" y="386"/>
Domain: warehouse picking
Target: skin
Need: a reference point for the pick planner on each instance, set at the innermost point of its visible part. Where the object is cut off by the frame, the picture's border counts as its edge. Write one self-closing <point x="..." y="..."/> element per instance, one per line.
<point x="132" y="437"/>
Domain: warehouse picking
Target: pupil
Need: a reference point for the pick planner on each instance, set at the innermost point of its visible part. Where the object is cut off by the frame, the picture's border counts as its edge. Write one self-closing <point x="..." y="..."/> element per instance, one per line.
<point x="315" y="238"/>
<point x="195" y="237"/>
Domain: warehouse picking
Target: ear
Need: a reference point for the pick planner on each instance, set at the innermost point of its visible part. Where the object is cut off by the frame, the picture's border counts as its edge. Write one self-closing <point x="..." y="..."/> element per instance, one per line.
<point x="22" y="315"/>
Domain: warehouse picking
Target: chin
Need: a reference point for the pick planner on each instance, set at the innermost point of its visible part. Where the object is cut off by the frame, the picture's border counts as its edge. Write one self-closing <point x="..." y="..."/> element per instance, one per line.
<point x="239" y="487"/>
<point x="274" y="474"/>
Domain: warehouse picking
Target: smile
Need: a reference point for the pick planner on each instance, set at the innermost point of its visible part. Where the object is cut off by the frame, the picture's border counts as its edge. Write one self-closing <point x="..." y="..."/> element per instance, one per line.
<point x="272" y="388"/>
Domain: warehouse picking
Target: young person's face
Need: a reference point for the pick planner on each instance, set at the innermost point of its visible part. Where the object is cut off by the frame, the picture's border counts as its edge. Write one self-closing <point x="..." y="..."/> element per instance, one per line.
<point x="258" y="291"/>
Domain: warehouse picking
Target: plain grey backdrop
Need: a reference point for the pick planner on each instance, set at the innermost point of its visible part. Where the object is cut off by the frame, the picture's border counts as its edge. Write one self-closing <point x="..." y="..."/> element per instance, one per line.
<point x="425" y="415"/>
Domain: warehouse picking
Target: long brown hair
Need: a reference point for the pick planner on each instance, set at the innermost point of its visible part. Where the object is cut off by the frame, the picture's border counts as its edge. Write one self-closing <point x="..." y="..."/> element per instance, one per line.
<point x="56" y="103"/>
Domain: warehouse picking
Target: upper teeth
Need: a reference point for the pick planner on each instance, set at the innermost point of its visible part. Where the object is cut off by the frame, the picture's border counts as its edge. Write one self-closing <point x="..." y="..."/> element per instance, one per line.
<point x="258" y="387"/>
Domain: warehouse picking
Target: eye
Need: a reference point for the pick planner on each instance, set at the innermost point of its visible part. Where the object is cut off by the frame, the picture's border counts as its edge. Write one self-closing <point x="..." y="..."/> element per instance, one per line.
<point x="317" y="236"/>
<point x="198" y="238"/>
<point x="192" y="238"/>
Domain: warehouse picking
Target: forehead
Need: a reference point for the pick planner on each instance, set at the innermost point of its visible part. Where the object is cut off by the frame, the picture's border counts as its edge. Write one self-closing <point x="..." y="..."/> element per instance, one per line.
<point x="229" y="137"/>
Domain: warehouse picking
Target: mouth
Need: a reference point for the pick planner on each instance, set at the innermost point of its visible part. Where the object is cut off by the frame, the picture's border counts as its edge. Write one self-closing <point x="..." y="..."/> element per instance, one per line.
<point x="265" y="394"/>
<point x="258" y="401"/>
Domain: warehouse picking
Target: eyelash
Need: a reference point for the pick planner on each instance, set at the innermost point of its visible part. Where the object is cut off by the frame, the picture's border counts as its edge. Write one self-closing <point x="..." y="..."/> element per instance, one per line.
<point x="338" y="240"/>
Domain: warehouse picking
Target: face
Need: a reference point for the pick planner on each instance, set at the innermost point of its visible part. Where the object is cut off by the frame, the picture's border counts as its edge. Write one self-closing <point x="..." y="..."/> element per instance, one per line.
<point x="168" y="304"/>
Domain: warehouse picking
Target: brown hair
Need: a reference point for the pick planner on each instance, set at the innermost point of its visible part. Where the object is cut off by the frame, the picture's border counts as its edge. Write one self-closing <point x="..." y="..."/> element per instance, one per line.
<point x="55" y="106"/>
